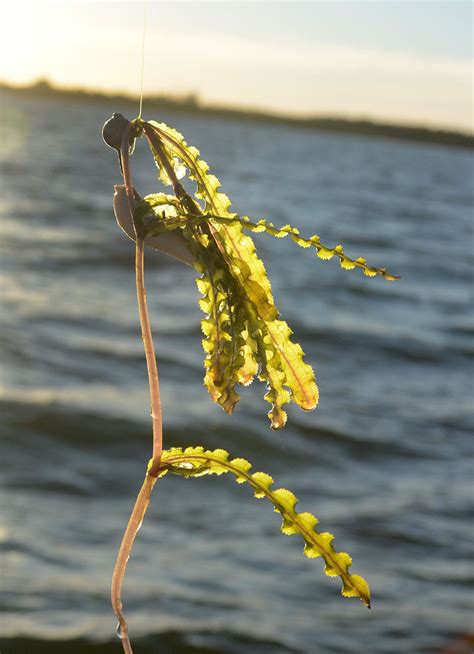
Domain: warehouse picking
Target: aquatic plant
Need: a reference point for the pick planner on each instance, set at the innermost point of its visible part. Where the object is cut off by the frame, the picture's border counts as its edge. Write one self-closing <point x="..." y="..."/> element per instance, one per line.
<point x="244" y="336"/>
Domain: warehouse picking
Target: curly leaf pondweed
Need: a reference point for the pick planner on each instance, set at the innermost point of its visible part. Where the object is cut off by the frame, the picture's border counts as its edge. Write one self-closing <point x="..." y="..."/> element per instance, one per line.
<point x="244" y="336"/>
<point x="196" y="461"/>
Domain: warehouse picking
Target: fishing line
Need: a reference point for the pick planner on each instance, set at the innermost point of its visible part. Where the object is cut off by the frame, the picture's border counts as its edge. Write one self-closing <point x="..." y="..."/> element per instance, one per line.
<point x="145" y="6"/>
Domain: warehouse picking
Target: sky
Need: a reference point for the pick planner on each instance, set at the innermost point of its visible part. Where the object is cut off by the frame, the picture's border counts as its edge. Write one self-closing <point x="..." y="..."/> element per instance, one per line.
<point x="402" y="61"/>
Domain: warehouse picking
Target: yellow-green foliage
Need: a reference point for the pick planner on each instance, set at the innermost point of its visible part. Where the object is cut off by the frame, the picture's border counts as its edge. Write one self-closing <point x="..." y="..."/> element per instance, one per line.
<point x="243" y="333"/>
<point x="196" y="461"/>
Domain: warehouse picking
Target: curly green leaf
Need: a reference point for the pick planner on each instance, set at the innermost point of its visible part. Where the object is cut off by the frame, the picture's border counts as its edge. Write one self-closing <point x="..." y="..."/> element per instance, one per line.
<point x="242" y="310"/>
<point x="281" y="361"/>
<point x="241" y="250"/>
<point x="323" y="251"/>
<point x="196" y="462"/>
<point x="222" y="337"/>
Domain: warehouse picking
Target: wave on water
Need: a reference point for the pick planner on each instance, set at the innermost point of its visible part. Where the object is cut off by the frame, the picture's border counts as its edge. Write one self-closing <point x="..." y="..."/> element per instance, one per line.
<point x="384" y="461"/>
<point x="165" y="643"/>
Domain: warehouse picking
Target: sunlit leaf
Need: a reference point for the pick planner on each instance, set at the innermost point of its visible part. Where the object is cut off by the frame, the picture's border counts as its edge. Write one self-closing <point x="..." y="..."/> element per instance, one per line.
<point x="244" y="335"/>
<point x="263" y="340"/>
<point x="195" y="462"/>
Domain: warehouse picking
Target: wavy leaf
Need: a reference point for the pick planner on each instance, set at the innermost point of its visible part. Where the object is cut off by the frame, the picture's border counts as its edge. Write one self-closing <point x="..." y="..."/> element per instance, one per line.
<point x="222" y="334"/>
<point x="242" y="309"/>
<point x="281" y="361"/>
<point x="247" y="266"/>
<point x="323" y="251"/>
<point x="196" y="462"/>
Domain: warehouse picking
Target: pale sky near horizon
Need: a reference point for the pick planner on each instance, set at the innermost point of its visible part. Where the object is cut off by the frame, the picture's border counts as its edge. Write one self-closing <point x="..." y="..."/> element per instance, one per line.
<point x="404" y="61"/>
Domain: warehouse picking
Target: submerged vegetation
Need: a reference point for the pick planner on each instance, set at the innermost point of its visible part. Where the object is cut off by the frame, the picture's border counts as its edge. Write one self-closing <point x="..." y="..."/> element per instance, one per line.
<point x="244" y="336"/>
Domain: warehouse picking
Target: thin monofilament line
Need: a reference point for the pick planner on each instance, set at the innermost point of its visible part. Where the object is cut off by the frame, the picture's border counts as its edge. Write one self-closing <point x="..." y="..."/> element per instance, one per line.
<point x="145" y="4"/>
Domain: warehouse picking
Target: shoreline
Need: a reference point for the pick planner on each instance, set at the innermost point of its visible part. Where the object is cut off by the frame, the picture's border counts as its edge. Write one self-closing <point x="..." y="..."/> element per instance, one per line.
<point x="191" y="104"/>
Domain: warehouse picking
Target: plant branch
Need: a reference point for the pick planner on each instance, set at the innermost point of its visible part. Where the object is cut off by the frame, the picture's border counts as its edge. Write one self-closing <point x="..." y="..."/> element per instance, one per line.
<point x="143" y="498"/>
<point x="134" y="524"/>
<point x="127" y="175"/>
<point x="156" y="414"/>
<point x="147" y="336"/>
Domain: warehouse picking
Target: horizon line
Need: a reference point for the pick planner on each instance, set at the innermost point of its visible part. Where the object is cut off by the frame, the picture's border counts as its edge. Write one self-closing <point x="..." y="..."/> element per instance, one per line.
<point x="192" y="101"/>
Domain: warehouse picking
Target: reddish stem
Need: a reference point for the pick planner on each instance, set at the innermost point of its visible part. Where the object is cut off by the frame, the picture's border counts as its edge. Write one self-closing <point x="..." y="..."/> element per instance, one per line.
<point x="147" y="336"/>
<point x="143" y="499"/>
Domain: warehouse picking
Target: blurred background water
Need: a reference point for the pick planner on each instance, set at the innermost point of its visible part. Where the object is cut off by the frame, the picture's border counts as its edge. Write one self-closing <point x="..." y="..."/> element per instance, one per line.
<point x="384" y="461"/>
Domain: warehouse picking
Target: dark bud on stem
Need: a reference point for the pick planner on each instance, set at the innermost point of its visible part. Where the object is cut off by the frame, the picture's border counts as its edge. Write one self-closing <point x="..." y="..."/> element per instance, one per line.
<point x="113" y="130"/>
<point x="112" y="133"/>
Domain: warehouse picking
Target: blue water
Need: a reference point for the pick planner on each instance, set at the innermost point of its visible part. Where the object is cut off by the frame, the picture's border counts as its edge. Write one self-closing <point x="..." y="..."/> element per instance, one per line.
<point x="384" y="462"/>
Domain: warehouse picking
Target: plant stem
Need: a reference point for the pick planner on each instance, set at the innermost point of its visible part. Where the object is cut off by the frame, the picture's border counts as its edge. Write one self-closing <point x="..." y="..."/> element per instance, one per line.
<point x="143" y="498"/>
<point x="147" y="336"/>
<point x="134" y="524"/>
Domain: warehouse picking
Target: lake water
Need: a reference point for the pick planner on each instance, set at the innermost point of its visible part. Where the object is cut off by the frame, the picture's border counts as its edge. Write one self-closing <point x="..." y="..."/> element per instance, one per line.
<point x="384" y="461"/>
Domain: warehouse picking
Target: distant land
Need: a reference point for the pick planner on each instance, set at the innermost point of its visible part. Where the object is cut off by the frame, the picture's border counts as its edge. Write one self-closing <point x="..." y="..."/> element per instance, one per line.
<point x="191" y="104"/>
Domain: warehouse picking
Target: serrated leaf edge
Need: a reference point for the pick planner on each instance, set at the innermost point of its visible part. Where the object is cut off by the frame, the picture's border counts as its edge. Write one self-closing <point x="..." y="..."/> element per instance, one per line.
<point x="196" y="461"/>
